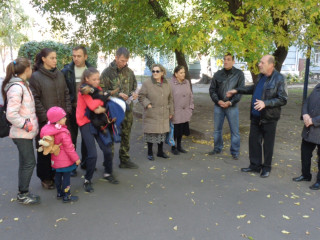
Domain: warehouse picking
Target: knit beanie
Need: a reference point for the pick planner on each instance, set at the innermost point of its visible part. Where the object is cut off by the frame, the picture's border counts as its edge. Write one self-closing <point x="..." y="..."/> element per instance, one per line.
<point x="55" y="114"/>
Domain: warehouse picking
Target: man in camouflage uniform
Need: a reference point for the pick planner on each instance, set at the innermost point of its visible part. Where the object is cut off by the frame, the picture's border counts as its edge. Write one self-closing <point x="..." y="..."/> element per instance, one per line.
<point x="119" y="75"/>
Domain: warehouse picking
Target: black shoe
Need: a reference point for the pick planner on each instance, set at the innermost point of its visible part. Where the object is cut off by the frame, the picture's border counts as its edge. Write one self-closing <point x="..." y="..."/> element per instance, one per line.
<point x="111" y="179"/>
<point x="150" y="158"/>
<point x="84" y="166"/>
<point x="250" y="170"/>
<point x="69" y="198"/>
<point x="88" y="187"/>
<point x="213" y="152"/>
<point x="265" y="174"/>
<point x="315" y="186"/>
<point x="128" y="164"/>
<point x="74" y="173"/>
<point x="301" y="178"/>
<point x="180" y="149"/>
<point x="175" y="151"/>
<point x="163" y="155"/>
<point x="235" y="157"/>
<point x="48" y="184"/>
<point x="28" y="198"/>
<point x="60" y="196"/>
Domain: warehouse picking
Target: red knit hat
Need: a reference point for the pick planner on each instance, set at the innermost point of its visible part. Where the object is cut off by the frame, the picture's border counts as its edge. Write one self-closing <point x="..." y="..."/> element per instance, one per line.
<point x="55" y="114"/>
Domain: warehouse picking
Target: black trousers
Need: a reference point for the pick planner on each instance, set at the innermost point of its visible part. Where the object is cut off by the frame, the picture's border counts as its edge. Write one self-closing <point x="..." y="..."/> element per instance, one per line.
<point x="261" y="141"/>
<point x="306" y="155"/>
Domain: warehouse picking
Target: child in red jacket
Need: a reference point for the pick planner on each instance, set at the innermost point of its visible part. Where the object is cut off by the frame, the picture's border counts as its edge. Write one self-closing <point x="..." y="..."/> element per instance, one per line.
<point x="68" y="158"/>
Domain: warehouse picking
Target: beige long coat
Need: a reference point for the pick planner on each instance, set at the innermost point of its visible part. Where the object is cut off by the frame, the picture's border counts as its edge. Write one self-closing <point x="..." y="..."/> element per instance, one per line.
<point x="156" y="119"/>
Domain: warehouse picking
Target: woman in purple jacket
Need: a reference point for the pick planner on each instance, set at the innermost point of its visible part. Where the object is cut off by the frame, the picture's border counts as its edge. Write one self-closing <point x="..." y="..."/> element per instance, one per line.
<point x="183" y="107"/>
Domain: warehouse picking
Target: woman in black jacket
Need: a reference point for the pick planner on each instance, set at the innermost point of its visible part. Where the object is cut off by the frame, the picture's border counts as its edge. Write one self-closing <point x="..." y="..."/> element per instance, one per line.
<point x="49" y="89"/>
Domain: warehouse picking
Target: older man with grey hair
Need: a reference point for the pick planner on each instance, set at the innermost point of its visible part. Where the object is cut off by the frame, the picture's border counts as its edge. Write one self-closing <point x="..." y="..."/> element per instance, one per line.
<point x="269" y="93"/>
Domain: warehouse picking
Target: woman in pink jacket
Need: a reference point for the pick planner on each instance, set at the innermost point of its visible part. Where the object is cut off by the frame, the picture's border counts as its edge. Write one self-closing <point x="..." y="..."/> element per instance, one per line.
<point x="21" y="114"/>
<point x="67" y="160"/>
<point x="183" y="107"/>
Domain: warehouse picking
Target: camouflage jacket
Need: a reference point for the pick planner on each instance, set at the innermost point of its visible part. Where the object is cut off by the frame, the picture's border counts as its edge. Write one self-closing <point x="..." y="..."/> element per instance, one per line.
<point x="124" y="79"/>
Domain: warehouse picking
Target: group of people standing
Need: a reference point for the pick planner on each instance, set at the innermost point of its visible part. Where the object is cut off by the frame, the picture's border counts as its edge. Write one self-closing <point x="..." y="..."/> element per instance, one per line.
<point x="50" y="103"/>
<point x="269" y="94"/>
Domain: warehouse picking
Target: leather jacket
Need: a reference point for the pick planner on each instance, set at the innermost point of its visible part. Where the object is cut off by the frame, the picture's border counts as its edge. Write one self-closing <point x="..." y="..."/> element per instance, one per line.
<point x="69" y="75"/>
<point x="274" y="96"/>
<point x="221" y="83"/>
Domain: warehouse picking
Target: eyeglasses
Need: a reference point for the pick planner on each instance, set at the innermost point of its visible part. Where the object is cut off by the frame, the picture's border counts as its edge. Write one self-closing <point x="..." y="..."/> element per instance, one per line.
<point x="155" y="71"/>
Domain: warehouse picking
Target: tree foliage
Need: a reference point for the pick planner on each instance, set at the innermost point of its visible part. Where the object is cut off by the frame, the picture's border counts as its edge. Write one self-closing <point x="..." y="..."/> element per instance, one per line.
<point x="64" y="52"/>
<point x="13" y="24"/>
<point x="248" y="28"/>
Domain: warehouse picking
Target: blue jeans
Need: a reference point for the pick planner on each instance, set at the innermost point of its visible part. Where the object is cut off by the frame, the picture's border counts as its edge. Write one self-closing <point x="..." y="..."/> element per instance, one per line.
<point x="62" y="181"/>
<point x="91" y="159"/>
<point x="232" y="114"/>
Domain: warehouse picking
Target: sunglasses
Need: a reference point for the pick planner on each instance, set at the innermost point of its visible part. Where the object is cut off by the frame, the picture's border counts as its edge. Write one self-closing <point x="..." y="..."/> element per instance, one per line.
<point x="155" y="71"/>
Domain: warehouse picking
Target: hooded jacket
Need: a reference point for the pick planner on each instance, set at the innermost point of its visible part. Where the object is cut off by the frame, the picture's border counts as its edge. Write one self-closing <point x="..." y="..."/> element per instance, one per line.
<point x="68" y="155"/>
<point x="49" y="89"/>
<point x="20" y="107"/>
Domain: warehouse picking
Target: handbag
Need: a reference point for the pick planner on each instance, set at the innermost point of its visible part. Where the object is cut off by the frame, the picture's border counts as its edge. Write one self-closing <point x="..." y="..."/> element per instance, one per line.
<point x="170" y="135"/>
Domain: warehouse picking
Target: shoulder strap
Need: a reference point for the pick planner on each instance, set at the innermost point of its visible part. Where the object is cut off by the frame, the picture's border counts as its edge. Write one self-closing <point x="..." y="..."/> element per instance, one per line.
<point x="5" y="100"/>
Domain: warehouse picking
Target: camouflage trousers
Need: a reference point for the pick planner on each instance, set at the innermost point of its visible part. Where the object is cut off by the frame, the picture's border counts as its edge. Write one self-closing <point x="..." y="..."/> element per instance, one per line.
<point x="125" y="137"/>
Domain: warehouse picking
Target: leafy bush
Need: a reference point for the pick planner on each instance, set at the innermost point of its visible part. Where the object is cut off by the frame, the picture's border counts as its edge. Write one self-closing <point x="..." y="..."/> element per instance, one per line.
<point x="293" y="78"/>
<point x="64" y="52"/>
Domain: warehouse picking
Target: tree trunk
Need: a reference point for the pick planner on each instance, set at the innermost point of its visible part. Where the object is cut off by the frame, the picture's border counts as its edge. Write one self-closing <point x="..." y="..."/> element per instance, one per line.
<point x="160" y="13"/>
<point x="280" y="55"/>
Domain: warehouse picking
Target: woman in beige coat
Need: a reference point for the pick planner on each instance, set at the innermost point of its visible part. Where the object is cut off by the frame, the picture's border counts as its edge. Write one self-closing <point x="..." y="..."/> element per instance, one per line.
<point x="156" y="98"/>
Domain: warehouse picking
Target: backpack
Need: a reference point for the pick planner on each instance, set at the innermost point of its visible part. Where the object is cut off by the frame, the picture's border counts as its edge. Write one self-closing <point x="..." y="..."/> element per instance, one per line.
<point x="4" y="123"/>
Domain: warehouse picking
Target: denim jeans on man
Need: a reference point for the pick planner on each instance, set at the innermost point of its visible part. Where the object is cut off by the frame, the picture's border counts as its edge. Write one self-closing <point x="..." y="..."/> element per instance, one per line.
<point x="232" y="114"/>
<point x="27" y="162"/>
<point x="91" y="160"/>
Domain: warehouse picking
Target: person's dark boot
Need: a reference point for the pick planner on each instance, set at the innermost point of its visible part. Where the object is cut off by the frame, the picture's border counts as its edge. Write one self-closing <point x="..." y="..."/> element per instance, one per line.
<point x="69" y="198"/>
<point x="174" y="150"/>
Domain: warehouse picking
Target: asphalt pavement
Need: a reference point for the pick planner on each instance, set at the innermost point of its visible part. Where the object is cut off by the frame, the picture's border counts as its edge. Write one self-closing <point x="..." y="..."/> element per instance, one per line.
<point x="191" y="196"/>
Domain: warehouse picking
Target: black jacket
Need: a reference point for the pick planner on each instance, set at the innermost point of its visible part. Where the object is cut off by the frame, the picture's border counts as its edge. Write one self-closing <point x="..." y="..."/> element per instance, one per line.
<point x="221" y="83"/>
<point x="69" y="75"/>
<point x="274" y="96"/>
<point x="311" y="107"/>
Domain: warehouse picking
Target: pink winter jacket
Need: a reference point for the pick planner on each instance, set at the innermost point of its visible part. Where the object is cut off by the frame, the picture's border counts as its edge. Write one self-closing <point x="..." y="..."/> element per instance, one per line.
<point x="68" y="155"/>
<point x="20" y="107"/>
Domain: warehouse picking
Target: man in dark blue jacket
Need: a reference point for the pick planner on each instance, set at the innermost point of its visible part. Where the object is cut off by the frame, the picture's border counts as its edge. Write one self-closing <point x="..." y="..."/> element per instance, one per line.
<point x="72" y="73"/>
<point x="268" y="95"/>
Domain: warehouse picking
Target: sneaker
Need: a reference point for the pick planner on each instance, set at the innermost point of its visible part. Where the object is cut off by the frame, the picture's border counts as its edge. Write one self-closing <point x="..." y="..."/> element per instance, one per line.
<point x="60" y="196"/>
<point x="111" y="179"/>
<point x="128" y="164"/>
<point x="150" y="158"/>
<point x="28" y="198"/>
<point x="69" y="198"/>
<point x="87" y="185"/>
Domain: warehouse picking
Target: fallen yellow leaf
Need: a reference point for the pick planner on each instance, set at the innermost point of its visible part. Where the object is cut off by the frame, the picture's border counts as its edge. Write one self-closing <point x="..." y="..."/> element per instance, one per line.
<point x="262" y="216"/>
<point x="16" y="219"/>
<point x="305" y="216"/>
<point x="268" y="196"/>
<point x="153" y="168"/>
<point x="285" y="232"/>
<point x="175" y="228"/>
<point x="285" y="217"/>
<point x="241" y="216"/>
<point x="61" y="219"/>
<point x="170" y="218"/>
<point x="297" y="203"/>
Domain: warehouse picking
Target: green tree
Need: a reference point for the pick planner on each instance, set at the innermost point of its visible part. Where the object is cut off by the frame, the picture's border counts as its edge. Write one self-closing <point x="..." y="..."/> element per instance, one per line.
<point x="13" y="23"/>
<point x="248" y="28"/>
